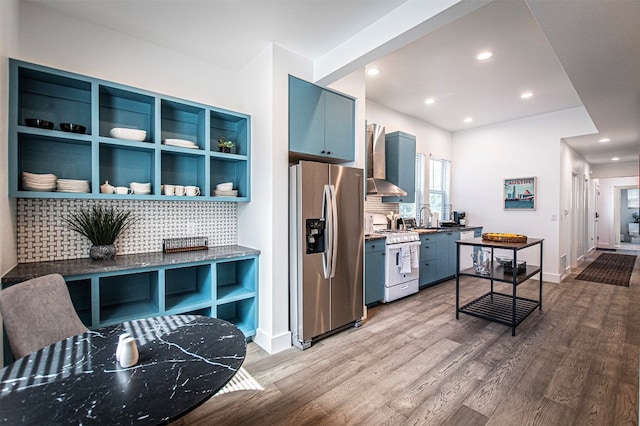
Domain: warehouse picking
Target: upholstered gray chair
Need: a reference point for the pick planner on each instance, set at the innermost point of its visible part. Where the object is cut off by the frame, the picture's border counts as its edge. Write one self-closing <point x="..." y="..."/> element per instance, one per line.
<point x="37" y="313"/>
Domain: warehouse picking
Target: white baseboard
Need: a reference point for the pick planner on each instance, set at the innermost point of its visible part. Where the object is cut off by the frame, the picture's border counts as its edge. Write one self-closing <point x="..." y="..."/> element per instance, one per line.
<point x="273" y="344"/>
<point x="552" y="278"/>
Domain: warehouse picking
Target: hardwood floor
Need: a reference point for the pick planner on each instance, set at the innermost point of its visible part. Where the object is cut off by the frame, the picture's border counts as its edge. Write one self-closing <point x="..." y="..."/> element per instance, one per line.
<point x="412" y="363"/>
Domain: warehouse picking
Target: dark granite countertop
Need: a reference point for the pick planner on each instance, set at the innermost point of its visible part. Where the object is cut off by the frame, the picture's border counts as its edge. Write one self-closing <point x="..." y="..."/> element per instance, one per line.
<point x="86" y="266"/>
<point x="372" y="237"/>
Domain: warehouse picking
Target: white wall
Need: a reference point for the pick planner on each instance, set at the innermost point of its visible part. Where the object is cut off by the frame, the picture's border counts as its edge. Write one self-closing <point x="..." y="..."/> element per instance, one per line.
<point x="613" y="169"/>
<point x="8" y="44"/>
<point x="574" y="175"/>
<point x="484" y="156"/>
<point x="69" y="44"/>
<point x="430" y="139"/>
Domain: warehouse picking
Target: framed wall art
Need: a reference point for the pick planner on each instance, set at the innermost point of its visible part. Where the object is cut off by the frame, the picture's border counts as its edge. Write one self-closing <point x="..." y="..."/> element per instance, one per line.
<point x="520" y="193"/>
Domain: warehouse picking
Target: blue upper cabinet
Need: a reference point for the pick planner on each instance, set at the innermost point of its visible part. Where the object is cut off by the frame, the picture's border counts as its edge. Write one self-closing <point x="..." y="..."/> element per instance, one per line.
<point x="321" y="123"/>
<point x="401" y="165"/>
<point x="177" y="142"/>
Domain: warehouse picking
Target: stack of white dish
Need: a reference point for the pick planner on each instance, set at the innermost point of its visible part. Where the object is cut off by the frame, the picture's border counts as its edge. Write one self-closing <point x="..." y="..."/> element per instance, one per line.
<point x="225" y="190"/>
<point x="129" y="134"/>
<point x="180" y="142"/>
<point x="73" y="185"/>
<point x="39" y="182"/>
<point x="140" y="188"/>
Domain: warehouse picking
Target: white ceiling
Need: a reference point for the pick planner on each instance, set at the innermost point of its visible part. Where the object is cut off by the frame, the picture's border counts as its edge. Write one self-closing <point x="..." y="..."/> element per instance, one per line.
<point x="568" y="53"/>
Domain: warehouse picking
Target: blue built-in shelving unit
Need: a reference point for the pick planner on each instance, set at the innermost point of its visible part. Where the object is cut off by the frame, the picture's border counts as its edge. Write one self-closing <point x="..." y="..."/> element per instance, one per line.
<point x="58" y="96"/>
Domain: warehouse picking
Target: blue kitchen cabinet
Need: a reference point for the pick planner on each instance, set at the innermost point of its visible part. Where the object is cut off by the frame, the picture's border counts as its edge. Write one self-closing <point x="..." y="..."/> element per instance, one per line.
<point x="321" y="123"/>
<point x="161" y="158"/>
<point x="449" y="254"/>
<point x="437" y="257"/>
<point x="374" y="261"/>
<point x="401" y="165"/>
<point x="428" y="253"/>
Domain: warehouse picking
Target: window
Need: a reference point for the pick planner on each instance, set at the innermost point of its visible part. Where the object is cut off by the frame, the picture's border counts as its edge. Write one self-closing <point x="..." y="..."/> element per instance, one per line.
<point x="439" y="176"/>
<point x="413" y="209"/>
<point x="633" y="198"/>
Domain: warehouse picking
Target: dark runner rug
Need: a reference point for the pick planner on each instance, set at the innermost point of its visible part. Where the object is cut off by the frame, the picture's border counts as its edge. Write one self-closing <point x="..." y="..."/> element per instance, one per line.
<point x="609" y="268"/>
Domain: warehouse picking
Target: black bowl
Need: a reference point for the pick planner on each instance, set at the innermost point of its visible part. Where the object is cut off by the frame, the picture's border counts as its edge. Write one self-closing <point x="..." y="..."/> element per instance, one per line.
<point x="36" y="122"/>
<point x="73" y="128"/>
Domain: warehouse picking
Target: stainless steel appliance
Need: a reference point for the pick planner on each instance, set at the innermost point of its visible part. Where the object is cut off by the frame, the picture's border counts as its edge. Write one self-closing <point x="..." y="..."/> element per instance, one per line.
<point x="459" y="218"/>
<point x="377" y="183"/>
<point x="326" y="249"/>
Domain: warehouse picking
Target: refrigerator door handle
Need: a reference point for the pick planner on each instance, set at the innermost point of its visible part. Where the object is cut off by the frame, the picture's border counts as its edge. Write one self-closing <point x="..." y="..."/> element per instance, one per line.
<point x="327" y="215"/>
<point x="334" y="230"/>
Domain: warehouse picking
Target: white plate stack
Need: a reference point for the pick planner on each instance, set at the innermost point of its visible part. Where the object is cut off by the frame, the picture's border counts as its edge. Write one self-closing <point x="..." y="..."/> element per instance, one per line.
<point x="225" y="190"/>
<point x="180" y="142"/>
<point x="45" y="182"/>
<point x="73" y="185"/>
<point x="140" y="188"/>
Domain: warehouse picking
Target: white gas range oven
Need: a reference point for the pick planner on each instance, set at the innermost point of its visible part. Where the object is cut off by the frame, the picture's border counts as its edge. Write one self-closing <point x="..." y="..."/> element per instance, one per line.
<point x="401" y="269"/>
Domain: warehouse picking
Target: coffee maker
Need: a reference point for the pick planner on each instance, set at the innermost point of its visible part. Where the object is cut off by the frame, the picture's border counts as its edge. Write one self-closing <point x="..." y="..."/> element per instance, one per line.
<point x="459" y="218"/>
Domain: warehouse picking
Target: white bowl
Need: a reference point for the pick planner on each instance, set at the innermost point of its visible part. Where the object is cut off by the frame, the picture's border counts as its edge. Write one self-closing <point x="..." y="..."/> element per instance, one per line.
<point x="227" y="186"/>
<point x="140" y="186"/>
<point x="129" y="134"/>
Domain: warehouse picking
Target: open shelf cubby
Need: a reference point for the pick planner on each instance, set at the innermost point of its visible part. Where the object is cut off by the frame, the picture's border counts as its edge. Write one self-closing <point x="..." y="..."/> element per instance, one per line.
<point x="187" y="287"/>
<point x="66" y="158"/>
<point x="182" y="121"/>
<point x="80" y="292"/>
<point x="183" y="169"/>
<point x="121" y="165"/>
<point x="54" y="98"/>
<point x="242" y="314"/>
<point x="128" y="296"/>
<point x="234" y="127"/>
<point x="126" y="109"/>
<point x="236" y="280"/>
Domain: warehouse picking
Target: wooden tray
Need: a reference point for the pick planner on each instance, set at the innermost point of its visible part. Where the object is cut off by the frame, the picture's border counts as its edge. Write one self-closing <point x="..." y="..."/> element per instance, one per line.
<point x="504" y="238"/>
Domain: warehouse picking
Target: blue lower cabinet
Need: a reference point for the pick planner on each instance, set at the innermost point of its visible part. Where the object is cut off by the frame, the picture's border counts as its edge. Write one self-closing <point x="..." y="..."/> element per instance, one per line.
<point x="374" y="259"/>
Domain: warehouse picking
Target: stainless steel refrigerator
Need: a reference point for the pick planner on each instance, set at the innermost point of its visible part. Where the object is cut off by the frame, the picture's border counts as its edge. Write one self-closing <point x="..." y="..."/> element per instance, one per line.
<point x="326" y="249"/>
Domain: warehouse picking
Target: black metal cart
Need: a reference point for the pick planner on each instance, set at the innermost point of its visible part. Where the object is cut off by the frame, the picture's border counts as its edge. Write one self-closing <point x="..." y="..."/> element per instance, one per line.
<point x="507" y="309"/>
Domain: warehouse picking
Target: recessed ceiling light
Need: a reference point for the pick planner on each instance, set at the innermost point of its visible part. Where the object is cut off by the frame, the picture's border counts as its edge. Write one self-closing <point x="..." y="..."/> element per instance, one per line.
<point x="373" y="71"/>
<point x="526" y="95"/>
<point x="483" y="56"/>
<point x="430" y="101"/>
<point x="604" y="140"/>
<point x="615" y="159"/>
<point x="468" y="120"/>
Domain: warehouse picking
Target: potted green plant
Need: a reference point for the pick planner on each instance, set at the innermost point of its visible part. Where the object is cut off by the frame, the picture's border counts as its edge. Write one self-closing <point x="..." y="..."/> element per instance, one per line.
<point x="636" y="217"/>
<point x="102" y="226"/>
<point x="224" y="144"/>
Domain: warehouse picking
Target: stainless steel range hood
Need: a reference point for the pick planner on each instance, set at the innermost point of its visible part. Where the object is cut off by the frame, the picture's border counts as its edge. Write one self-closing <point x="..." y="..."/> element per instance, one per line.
<point x="376" y="165"/>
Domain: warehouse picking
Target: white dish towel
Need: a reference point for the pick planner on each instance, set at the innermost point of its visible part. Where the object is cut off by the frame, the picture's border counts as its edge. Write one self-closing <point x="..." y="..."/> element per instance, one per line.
<point x="415" y="261"/>
<point x="405" y="260"/>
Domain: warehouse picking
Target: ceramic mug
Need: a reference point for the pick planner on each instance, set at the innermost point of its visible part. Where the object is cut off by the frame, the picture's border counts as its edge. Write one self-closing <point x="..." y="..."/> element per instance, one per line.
<point x="123" y="190"/>
<point x="192" y="191"/>
<point x="180" y="190"/>
<point x="169" y="189"/>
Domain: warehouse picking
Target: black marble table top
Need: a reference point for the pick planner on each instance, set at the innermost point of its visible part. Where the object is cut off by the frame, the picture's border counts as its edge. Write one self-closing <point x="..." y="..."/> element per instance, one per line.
<point x="184" y="359"/>
<point x="86" y="266"/>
